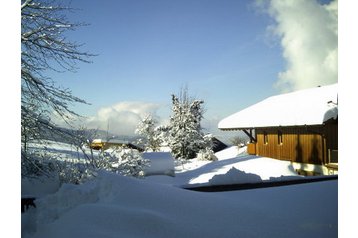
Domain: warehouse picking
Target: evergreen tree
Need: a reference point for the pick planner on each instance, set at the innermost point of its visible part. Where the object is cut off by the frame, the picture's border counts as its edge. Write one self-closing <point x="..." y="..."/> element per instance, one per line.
<point x="148" y="129"/>
<point x="185" y="137"/>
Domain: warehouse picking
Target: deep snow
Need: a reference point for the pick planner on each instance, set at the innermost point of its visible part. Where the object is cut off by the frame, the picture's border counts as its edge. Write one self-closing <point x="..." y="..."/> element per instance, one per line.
<point x="115" y="206"/>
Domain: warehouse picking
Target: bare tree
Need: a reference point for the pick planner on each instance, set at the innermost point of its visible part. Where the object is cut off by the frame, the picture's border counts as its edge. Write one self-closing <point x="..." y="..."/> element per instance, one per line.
<point x="45" y="48"/>
<point x="240" y="140"/>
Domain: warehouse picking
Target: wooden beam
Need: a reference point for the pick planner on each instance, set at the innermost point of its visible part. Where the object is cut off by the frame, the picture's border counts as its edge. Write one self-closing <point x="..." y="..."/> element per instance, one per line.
<point x="249" y="134"/>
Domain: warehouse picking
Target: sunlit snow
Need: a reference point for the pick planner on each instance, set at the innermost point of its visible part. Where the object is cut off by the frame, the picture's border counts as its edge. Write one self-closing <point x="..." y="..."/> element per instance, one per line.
<point x="157" y="206"/>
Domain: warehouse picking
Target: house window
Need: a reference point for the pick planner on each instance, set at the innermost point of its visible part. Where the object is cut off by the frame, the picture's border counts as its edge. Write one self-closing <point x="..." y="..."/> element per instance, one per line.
<point x="265" y="138"/>
<point x="279" y="138"/>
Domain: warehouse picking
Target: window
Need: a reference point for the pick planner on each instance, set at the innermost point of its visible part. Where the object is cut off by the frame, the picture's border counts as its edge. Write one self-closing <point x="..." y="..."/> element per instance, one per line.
<point x="265" y="138"/>
<point x="279" y="138"/>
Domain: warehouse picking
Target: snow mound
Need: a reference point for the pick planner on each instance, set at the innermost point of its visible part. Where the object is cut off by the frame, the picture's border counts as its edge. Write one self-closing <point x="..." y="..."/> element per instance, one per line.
<point x="161" y="163"/>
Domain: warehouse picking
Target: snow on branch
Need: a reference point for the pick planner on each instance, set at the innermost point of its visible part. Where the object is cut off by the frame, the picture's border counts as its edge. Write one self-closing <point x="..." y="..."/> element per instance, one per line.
<point x="44" y="48"/>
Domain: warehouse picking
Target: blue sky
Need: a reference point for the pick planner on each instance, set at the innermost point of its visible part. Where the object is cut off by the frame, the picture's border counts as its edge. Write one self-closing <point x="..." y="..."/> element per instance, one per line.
<point x="229" y="53"/>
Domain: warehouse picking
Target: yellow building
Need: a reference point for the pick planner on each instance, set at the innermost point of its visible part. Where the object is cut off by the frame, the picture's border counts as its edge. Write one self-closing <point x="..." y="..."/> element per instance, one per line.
<point x="99" y="144"/>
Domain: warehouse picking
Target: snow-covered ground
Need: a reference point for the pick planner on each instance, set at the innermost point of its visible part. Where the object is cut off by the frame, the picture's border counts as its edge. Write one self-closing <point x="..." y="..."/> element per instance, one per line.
<point x="156" y="206"/>
<point x="233" y="166"/>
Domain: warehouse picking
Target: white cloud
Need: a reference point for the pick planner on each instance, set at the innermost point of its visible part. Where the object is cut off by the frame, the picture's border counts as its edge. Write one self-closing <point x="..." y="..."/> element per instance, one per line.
<point x="121" y="118"/>
<point x="309" y="39"/>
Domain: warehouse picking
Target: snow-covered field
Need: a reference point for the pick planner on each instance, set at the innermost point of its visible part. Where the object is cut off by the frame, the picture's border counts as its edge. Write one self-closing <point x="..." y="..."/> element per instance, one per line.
<point x="156" y="206"/>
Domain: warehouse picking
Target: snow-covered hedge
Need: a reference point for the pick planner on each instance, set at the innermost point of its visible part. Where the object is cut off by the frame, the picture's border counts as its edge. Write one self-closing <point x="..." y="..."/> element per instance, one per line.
<point x="69" y="165"/>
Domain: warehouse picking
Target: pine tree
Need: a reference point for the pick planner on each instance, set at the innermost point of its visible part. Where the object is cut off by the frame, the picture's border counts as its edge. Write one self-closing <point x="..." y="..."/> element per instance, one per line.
<point x="185" y="137"/>
<point x="151" y="133"/>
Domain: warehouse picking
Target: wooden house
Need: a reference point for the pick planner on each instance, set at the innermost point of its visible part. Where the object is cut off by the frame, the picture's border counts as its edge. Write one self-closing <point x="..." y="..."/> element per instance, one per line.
<point x="301" y="127"/>
<point x="99" y="144"/>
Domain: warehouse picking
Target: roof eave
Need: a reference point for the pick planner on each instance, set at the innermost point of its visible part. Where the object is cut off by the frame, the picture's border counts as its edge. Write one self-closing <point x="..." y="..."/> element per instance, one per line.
<point x="272" y="126"/>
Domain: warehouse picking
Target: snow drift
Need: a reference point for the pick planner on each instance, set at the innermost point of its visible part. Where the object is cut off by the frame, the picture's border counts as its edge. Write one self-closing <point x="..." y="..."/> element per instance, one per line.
<point x="117" y="206"/>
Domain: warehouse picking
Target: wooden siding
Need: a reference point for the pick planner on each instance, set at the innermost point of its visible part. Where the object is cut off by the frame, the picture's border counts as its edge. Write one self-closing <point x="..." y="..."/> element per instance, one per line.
<point x="306" y="144"/>
<point x="251" y="148"/>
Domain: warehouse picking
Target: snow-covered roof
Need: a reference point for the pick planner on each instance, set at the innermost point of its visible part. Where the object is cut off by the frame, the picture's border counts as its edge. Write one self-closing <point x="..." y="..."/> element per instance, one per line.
<point x="115" y="141"/>
<point x="97" y="141"/>
<point x="312" y="106"/>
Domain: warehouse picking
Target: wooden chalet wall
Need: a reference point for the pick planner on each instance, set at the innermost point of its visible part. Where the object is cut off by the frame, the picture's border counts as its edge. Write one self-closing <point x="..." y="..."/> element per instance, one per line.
<point x="304" y="144"/>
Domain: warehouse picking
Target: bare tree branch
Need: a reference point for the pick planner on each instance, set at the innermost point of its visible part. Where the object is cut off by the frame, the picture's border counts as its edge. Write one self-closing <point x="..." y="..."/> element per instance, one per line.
<point x="45" y="48"/>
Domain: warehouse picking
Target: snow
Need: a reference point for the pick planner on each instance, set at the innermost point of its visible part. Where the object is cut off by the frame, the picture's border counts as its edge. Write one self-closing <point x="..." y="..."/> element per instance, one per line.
<point x="160" y="163"/>
<point x="201" y="173"/>
<point x="112" y="205"/>
<point x="116" y="206"/>
<point x="39" y="187"/>
<point x="97" y="141"/>
<point x="230" y="152"/>
<point x="265" y="168"/>
<point x="62" y="151"/>
<point x="311" y="106"/>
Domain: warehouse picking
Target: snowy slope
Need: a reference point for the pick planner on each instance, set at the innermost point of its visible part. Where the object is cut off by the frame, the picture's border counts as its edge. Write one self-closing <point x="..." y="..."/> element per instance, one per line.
<point x="116" y="206"/>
